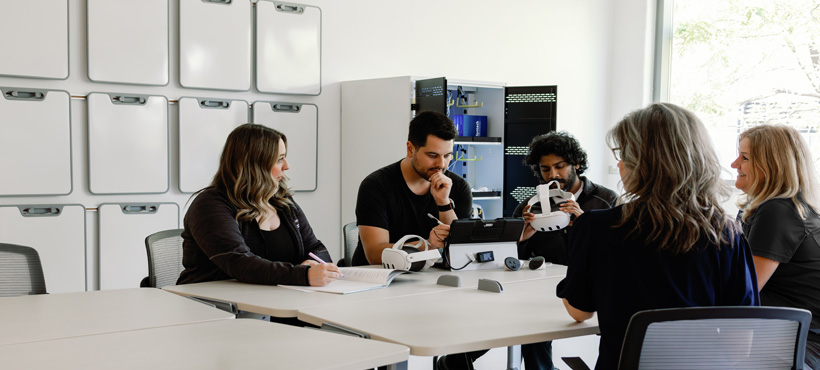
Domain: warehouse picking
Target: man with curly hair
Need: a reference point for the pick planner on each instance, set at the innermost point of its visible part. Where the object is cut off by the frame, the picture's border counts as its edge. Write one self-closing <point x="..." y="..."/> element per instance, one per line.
<point x="556" y="156"/>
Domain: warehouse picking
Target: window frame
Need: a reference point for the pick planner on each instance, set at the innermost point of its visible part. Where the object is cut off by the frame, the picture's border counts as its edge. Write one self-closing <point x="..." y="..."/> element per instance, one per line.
<point x="661" y="78"/>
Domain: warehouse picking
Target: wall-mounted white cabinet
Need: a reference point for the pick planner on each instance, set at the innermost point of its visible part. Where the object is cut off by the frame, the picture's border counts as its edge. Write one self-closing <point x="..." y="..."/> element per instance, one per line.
<point x="35" y="39"/>
<point x="144" y="58"/>
<point x="122" y="231"/>
<point x="57" y="232"/>
<point x="35" y="142"/>
<point x="204" y="125"/>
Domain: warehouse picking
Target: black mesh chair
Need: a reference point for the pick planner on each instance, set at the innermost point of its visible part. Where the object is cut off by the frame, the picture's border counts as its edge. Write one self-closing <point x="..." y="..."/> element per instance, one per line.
<point x="164" y="258"/>
<point x="714" y="338"/>
<point x="21" y="272"/>
<point x="165" y="264"/>
<point x="350" y="235"/>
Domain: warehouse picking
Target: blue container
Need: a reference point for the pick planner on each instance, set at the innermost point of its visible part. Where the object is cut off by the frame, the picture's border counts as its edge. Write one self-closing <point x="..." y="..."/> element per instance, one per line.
<point x="470" y="125"/>
<point x="458" y="121"/>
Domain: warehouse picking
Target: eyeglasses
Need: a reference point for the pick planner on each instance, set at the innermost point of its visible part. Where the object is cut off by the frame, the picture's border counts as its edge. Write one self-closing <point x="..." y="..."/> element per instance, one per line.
<point x="617" y="153"/>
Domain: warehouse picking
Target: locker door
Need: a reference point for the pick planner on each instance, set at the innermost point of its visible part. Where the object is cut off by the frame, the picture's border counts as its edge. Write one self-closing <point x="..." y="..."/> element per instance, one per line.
<point x="528" y="111"/>
<point x="431" y="95"/>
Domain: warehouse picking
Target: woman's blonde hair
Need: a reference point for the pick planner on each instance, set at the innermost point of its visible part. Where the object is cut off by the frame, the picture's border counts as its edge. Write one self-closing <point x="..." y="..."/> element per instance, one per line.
<point x="249" y="154"/>
<point x="783" y="169"/>
<point x="672" y="180"/>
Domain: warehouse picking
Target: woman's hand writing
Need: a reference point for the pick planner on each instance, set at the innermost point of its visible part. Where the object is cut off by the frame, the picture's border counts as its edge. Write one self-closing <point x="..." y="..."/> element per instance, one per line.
<point x="322" y="274"/>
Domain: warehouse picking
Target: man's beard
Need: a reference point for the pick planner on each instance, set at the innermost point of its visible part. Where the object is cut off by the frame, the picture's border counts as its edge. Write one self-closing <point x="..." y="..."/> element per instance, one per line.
<point x="425" y="174"/>
<point x="565" y="185"/>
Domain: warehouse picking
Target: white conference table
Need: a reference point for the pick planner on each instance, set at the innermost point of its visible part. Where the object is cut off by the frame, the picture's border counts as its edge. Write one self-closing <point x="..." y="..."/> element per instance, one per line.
<point x="63" y="315"/>
<point x="460" y="320"/>
<point x="284" y="303"/>
<point x="217" y="345"/>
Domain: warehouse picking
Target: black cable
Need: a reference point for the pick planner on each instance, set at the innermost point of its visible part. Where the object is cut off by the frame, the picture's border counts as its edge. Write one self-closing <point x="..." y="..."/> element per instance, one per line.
<point x="447" y="262"/>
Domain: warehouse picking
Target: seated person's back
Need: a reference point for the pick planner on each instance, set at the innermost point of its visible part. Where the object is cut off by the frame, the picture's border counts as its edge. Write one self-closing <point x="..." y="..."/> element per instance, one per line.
<point x="670" y="245"/>
<point x="618" y="275"/>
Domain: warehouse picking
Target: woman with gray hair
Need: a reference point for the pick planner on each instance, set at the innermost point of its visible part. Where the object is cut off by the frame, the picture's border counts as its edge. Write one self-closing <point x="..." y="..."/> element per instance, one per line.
<point x="670" y="244"/>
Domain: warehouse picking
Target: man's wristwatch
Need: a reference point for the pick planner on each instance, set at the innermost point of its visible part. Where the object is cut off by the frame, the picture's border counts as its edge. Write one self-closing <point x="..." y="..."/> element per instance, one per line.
<point x="447" y="207"/>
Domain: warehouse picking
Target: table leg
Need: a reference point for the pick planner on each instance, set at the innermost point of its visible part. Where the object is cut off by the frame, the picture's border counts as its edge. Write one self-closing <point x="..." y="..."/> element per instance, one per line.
<point x="514" y="357"/>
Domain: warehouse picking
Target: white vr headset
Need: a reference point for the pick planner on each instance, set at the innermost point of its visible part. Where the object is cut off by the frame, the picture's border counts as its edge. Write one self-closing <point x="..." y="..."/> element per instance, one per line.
<point x="407" y="256"/>
<point x="551" y="217"/>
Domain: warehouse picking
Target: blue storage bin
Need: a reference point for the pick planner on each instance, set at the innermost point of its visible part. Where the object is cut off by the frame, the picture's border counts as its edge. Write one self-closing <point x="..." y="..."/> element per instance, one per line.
<point x="470" y="125"/>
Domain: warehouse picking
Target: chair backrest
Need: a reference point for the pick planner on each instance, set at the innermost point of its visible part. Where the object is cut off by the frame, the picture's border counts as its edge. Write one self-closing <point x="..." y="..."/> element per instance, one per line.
<point x="21" y="272"/>
<point x="350" y="235"/>
<point x="716" y="338"/>
<point x="164" y="257"/>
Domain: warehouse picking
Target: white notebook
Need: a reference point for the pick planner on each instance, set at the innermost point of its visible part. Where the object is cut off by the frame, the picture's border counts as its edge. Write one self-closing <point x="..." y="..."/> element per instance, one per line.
<point x="356" y="279"/>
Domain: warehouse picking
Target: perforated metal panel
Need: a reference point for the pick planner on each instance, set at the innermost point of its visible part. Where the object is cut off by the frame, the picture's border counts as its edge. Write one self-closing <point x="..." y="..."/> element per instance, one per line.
<point x="528" y="112"/>
<point x="431" y="95"/>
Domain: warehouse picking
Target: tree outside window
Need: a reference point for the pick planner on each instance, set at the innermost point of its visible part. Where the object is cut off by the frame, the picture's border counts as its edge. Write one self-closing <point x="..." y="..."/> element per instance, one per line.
<point x="740" y="63"/>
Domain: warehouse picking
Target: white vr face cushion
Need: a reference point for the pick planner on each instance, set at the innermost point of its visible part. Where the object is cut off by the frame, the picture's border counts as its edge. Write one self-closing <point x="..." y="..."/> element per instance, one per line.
<point x="409" y="256"/>
<point x="550" y="218"/>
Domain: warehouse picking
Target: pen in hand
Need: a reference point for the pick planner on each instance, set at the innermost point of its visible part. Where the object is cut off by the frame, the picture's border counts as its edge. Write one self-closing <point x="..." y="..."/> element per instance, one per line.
<point x="434" y="217"/>
<point x="315" y="257"/>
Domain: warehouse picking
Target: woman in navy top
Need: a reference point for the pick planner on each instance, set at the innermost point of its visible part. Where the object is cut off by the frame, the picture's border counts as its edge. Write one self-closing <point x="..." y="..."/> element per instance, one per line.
<point x="776" y="172"/>
<point x="670" y="244"/>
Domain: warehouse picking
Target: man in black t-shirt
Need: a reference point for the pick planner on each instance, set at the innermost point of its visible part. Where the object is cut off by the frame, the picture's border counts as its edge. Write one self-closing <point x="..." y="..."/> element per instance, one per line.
<point x="394" y="201"/>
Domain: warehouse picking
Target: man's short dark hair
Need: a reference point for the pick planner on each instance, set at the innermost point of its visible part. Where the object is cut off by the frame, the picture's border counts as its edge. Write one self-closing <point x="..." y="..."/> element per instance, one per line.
<point x="560" y="143"/>
<point x="430" y="123"/>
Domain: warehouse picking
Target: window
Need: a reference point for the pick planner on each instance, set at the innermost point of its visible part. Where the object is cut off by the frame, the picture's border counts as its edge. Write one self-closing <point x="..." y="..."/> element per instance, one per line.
<point x="740" y="63"/>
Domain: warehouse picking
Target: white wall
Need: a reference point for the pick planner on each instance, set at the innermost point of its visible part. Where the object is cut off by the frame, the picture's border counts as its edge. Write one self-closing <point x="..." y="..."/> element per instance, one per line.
<point x="631" y="67"/>
<point x="594" y="50"/>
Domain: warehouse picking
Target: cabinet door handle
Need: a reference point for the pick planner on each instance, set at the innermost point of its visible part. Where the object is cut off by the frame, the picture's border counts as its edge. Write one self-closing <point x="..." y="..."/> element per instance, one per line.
<point x="214" y="104"/>
<point x="295" y="108"/>
<point x="40" y="211"/>
<point x="24" y="95"/>
<point x="288" y="8"/>
<point x="138" y="208"/>
<point x="122" y="99"/>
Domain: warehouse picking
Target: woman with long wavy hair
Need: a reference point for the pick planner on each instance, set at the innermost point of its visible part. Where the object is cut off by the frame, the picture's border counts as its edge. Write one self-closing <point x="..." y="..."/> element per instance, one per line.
<point x="779" y="215"/>
<point x="670" y="244"/>
<point x="246" y="226"/>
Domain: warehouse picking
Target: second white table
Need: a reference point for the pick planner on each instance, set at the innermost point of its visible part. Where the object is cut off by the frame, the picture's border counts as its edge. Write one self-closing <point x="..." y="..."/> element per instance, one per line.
<point x="53" y="316"/>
